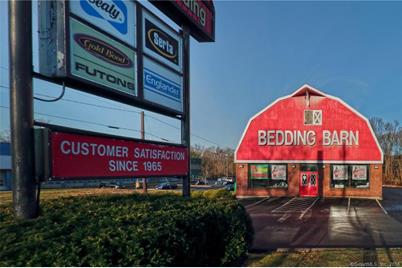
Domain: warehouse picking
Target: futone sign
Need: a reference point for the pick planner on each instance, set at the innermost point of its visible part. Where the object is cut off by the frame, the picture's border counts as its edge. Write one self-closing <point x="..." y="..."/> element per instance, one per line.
<point x="116" y="17"/>
<point x="81" y="156"/>
<point x="162" y="86"/>
<point x="198" y="14"/>
<point x="98" y="58"/>
<point x="161" y="42"/>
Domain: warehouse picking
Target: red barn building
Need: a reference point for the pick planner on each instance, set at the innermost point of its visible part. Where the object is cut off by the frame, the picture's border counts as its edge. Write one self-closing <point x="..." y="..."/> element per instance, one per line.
<point x="309" y="144"/>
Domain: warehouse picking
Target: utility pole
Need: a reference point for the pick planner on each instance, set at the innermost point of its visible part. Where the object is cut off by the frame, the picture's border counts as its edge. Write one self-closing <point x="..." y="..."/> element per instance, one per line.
<point x="144" y="180"/>
<point x="185" y="122"/>
<point x="21" y="109"/>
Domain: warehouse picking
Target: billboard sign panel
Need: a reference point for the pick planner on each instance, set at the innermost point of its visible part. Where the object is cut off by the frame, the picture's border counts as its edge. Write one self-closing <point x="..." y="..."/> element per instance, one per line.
<point x="198" y="14"/>
<point x="259" y="172"/>
<point x="116" y="17"/>
<point x="162" y="86"/>
<point x="103" y="61"/>
<point x="81" y="156"/>
<point x="161" y="42"/>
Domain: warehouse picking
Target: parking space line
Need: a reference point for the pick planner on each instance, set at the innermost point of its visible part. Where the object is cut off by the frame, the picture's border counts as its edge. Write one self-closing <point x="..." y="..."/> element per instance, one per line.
<point x="258" y="202"/>
<point x="383" y="209"/>
<point x="307" y="209"/>
<point x="283" y="205"/>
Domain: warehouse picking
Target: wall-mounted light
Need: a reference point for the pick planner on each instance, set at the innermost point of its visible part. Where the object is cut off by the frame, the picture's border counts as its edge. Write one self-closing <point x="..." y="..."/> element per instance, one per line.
<point x="293" y="166"/>
<point x="241" y="166"/>
<point x="375" y="166"/>
<point x="323" y="166"/>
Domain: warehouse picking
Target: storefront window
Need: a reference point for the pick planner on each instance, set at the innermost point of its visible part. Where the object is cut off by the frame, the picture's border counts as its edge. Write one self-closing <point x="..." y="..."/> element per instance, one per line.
<point x="268" y="175"/>
<point x="355" y="176"/>
<point x="340" y="176"/>
<point x="360" y="176"/>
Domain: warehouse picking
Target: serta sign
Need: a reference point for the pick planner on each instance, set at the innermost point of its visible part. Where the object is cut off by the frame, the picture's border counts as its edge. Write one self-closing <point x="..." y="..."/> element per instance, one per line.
<point x="162" y="86"/>
<point x="162" y="42"/>
<point x="116" y="17"/>
<point x="101" y="60"/>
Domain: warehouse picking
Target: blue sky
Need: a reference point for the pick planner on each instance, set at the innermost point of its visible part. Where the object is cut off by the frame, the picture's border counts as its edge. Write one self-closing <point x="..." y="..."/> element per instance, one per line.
<point x="263" y="50"/>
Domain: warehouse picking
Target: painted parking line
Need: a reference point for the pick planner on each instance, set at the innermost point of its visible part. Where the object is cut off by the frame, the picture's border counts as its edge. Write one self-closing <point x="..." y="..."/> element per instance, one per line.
<point x="383" y="209"/>
<point x="307" y="209"/>
<point x="283" y="205"/>
<point x="258" y="202"/>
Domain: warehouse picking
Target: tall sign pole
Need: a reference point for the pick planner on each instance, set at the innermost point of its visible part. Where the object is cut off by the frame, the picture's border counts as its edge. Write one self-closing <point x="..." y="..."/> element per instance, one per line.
<point x="21" y="109"/>
<point x="144" y="180"/>
<point x="185" y="128"/>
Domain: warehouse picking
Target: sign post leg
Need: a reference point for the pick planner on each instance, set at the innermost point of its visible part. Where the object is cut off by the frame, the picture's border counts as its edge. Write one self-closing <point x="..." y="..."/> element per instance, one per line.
<point x="144" y="180"/>
<point x="185" y="128"/>
<point x="21" y="109"/>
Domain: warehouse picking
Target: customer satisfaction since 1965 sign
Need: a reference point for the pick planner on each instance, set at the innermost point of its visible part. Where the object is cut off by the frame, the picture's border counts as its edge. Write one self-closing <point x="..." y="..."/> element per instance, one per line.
<point x="100" y="59"/>
<point x="80" y="156"/>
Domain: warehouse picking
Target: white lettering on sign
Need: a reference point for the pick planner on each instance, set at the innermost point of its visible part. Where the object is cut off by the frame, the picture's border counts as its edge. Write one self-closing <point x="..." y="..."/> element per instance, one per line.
<point x="92" y="149"/>
<point x="298" y="137"/>
<point x="158" y="154"/>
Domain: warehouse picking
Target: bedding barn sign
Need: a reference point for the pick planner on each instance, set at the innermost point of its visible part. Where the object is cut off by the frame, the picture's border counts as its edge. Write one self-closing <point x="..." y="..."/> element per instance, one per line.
<point x="308" y="127"/>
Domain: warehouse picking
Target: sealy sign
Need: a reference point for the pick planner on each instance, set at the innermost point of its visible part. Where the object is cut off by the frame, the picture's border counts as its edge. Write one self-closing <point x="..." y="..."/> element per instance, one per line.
<point x="160" y="42"/>
<point x="198" y="14"/>
<point x="97" y="58"/>
<point x="79" y="156"/>
<point x="162" y="86"/>
<point x="116" y="17"/>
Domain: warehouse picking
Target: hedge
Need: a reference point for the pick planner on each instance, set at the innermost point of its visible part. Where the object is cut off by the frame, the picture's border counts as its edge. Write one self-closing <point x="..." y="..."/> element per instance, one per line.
<point x="128" y="230"/>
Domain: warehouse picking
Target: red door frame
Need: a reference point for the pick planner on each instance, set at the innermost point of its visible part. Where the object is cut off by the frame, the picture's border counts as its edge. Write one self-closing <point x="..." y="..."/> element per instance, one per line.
<point x="308" y="183"/>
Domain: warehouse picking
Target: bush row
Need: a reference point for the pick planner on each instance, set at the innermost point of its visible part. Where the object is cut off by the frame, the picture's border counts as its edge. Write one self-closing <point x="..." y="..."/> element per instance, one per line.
<point x="129" y="230"/>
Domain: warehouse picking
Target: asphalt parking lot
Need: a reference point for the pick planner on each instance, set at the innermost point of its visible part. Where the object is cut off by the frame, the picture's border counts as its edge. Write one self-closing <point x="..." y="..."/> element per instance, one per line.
<point x="330" y="222"/>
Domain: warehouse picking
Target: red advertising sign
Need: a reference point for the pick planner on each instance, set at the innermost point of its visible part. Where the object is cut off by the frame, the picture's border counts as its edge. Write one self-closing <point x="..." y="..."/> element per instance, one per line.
<point x="81" y="156"/>
<point x="198" y="14"/>
<point x="308" y="126"/>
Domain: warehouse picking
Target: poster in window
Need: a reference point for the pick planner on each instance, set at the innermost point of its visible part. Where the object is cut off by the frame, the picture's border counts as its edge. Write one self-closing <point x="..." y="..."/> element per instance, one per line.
<point x="339" y="172"/>
<point x="278" y="172"/>
<point x="259" y="172"/>
<point x="359" y="172"/>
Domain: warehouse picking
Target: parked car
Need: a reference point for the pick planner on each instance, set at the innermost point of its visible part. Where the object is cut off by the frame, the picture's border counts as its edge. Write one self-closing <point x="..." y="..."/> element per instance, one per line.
<point x="229" y="186"/>
<point x="114" y="185"/>
<point x="166" y="186"/>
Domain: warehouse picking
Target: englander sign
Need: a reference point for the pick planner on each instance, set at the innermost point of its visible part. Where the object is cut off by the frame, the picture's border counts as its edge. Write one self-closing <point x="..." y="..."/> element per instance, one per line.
<point x="79" y="156"/>
<point x="162" y="86"/>
<point x="101" y="60"/>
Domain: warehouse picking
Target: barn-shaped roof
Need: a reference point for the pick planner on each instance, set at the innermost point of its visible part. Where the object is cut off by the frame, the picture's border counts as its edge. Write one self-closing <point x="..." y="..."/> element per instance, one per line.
<point x="336" y="133"/>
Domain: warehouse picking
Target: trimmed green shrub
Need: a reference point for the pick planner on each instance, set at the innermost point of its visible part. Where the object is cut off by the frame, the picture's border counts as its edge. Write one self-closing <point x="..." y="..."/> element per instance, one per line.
<point x="128" y="230"/>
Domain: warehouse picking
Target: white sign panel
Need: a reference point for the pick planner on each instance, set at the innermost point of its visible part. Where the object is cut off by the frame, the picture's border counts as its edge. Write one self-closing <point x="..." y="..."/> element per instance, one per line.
<point x="340" y="172"/>
<point x="359" y="172"/>
<point x="278" y="172"/>
<point x="116" y="17"/>
<point x="162" y="86"/>
<point x="162" y="42"/>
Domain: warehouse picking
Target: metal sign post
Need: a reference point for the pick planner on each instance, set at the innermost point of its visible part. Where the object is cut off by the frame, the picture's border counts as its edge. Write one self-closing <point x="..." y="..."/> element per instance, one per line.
<point x="185" y="123"/>
<point x="21" y="109"/>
